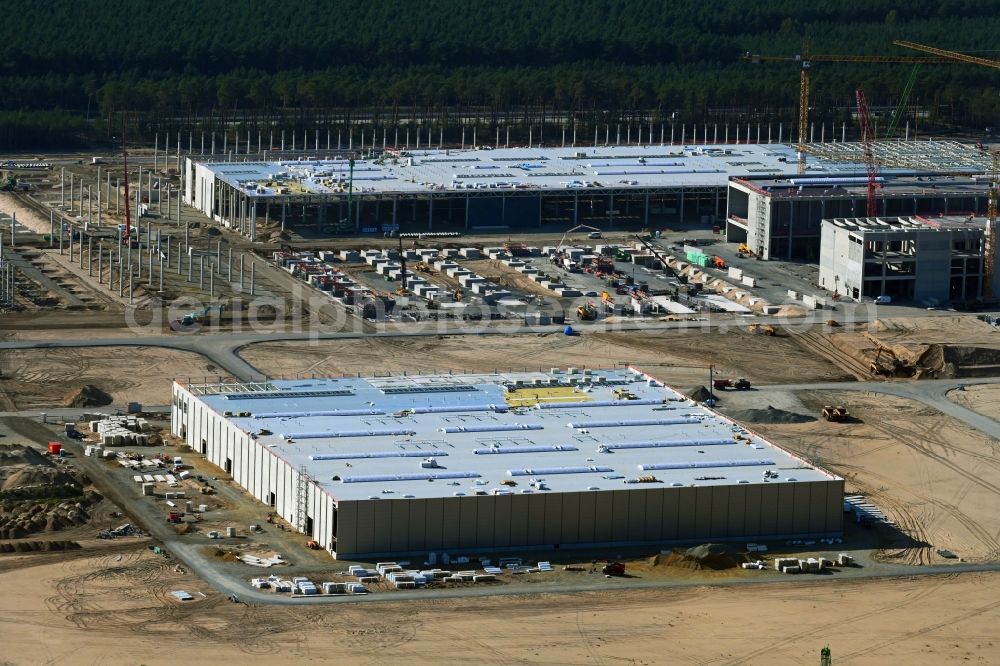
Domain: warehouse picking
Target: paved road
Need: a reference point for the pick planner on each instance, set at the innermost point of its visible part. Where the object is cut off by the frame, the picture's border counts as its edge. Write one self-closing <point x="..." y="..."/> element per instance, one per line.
<point x="222" y="349"/>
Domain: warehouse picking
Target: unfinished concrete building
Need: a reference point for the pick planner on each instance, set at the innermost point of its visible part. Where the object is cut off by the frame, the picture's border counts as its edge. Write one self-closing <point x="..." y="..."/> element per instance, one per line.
<point x="485" y="463"/>
<point x="779" y="217"/>
<point x="929" y="261"/>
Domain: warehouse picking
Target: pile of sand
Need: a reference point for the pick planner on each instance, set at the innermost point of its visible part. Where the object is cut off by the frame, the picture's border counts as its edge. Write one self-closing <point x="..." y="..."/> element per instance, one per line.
<point x="87" y="396"/>
<point x="705" y="556"/>
<point x="770" y="415"/>
<point x="699" y="394"/>
<point x="790" y="310"/>
<point x="16" y="454"/>
<point x="225" y="555"/>
<point x="24" y="467"/>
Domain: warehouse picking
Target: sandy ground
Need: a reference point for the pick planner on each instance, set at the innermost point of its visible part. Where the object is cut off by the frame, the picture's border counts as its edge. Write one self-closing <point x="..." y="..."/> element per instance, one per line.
<point x="984" y="399"/>
<point x="41" y="378"/>
<point x="957" y="329"/>
<point x="937" y="478"/>
<point x="117" y="609"/>
<point x="26" y="216"/>
<point x="679" y="357"/>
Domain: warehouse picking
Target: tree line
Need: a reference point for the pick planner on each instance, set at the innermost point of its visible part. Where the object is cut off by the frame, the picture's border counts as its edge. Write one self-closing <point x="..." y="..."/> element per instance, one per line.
<point x="180" y="65"/>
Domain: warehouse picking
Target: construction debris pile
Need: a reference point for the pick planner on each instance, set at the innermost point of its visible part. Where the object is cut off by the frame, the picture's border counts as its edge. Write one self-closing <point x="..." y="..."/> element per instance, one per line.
<point x="125" y="530"/>
<point x="121" y="430"/>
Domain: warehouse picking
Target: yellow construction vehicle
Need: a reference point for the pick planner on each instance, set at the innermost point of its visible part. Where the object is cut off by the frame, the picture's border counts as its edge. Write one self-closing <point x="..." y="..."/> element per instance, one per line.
<point x="744" y="249"/>
<point x="424" y="267"/>
<point x="835" y="413"/>
<point x="586" y="312"/>
<point x="763" y="329"/>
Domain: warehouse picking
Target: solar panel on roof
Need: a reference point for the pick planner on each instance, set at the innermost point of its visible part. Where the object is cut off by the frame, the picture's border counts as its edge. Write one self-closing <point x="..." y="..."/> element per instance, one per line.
<point x="447" y="388"/>
<point x="289" y="394"/>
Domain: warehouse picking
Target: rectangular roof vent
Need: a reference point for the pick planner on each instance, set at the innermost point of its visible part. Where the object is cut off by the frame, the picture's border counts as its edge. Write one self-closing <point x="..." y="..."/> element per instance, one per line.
<point x="634" y="422"/>
<point x="706" y="463"/>
<point x="498" y="427"/>
<point x="421" y="476"/>
<point x="542" y="471"/>
<point x="661" y="443"/>
<point x="523" y="449"/>
<point x="346" y="433"/>
<point x="357" y="455"/>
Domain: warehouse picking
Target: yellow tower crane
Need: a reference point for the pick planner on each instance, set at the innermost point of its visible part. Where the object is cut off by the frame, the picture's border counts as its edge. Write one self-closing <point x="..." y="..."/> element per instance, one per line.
<point x="948" y="55"/>
<point x="805" y="66"/>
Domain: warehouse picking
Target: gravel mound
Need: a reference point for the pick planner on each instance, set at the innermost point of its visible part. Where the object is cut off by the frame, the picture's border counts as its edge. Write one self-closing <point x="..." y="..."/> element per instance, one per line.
<point x="770" y="415"/>
<point x="705" y="556"/>
<point x="699" y="394"/>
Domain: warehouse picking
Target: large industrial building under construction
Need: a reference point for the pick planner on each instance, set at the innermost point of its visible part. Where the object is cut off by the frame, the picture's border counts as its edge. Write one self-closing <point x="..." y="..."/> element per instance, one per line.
<point x="464" y="463"/>
<point x="775" y="203"/>
<point x="780" y="217"/>
<point x="484" y="190"/>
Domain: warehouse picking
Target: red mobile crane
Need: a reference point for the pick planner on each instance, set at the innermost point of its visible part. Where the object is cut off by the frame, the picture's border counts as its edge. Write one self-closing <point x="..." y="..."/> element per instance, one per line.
<point x="868" y="148"/>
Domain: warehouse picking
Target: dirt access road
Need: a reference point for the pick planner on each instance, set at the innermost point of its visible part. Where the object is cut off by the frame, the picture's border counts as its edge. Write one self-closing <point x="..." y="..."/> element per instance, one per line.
<point x="116" y="608"/>
<point x="680" y="357"/>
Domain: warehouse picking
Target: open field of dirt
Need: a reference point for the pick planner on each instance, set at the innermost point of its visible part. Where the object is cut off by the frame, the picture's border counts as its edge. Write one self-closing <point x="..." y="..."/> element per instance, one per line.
<point x="116" y="608"/>
<point x="984" y="399"/>
<point x="937" y="478"/>
<point x="679" y="357"/>
<point x="42" y="378"/>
